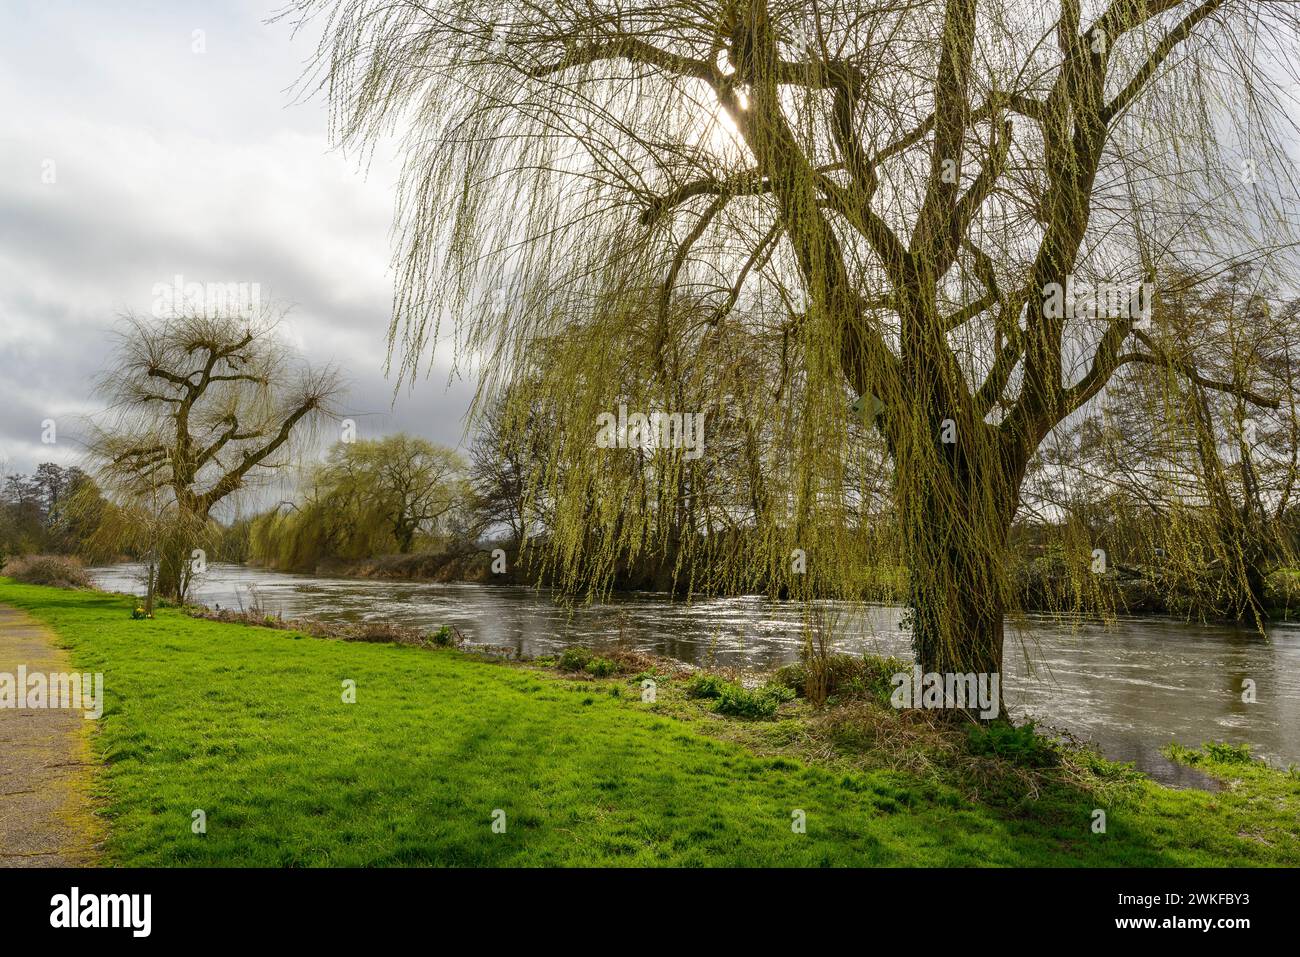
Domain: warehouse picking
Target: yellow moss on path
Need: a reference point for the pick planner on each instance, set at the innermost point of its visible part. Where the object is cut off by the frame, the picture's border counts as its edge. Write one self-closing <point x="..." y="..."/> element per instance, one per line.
<point x="47" y="818"/>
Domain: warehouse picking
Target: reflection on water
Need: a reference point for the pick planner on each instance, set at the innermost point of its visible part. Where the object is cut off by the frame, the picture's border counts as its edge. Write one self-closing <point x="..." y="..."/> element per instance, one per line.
<point x="1131" y="687"/>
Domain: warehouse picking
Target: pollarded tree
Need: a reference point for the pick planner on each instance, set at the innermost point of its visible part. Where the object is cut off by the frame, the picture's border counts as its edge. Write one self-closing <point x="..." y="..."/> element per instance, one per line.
<point x="200" y="407"/>
<point x="888" y="197"/>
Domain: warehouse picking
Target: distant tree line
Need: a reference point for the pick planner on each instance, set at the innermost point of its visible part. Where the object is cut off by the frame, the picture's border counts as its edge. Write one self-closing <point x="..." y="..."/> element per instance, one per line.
<point x="61" y="510"/>
<point x="36" y="514"/>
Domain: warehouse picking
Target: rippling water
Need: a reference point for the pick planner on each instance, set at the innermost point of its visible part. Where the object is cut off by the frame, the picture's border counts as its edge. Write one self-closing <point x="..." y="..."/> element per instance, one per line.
<point x="1131" y="686"/>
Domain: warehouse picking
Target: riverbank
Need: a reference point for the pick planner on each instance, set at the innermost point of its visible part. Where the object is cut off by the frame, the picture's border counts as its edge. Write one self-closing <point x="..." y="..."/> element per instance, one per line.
<point x="1130" y="684"/>
<point x="251" y="727"/>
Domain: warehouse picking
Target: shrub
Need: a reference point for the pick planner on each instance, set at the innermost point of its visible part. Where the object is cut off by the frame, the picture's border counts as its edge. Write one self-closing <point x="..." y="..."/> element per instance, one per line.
<point x="859" y="676"/>
<point x="780" y="692"/>
<point x="1282" y="588"/>
<point x="1018" y="744"/>
<point x="378" y="632"/>
<point x="60" y="571"/>
<point x="705" y="686"/>
<point x="444" y="637"/>
<point x="1211" y="751"/>
<point x="631" y="661"/>
<point x="742" y="703"/>
<point x="574" y="659"/>
<point x="610" y="661"/>
<point x="601" y="667"/>
<point x="733" y="699"/>
<point x="1226" y="753"/>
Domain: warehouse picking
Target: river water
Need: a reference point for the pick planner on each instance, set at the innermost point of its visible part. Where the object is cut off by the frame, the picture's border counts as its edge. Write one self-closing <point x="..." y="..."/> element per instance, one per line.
<point x="1130" y="686"/>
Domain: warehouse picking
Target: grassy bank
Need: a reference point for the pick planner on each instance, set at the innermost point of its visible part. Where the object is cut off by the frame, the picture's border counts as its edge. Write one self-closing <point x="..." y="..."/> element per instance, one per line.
<point x="248" y="725"/>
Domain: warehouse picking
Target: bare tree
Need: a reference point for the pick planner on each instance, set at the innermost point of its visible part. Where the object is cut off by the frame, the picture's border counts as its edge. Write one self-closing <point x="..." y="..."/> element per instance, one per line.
<point x="199" y="407"/>
<point x="500" y="474"/>
<point x="887" y="198"/>
<point x="1214" y="469"/>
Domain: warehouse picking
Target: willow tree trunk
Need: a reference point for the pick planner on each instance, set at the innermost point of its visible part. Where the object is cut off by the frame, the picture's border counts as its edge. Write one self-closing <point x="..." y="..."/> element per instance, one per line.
<point x="956" y="492"/>
<point x="175" y="552"/>
<point x="151" y="584"/>
<point x="956" y="597"/>
<point x="173" y="566"/>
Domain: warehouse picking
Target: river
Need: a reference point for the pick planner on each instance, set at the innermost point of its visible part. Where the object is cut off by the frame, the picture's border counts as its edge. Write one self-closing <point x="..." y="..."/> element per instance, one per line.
<point x="1130" y="686"/>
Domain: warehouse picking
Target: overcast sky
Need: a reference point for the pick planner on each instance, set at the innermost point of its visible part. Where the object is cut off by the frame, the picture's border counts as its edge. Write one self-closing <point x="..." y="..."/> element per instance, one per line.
<point x="169" y="161"/>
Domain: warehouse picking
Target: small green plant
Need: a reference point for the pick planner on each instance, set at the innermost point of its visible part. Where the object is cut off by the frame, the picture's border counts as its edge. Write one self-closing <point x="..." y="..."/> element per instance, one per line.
<point x="735" y="700"/>
<point x="1218" y="752"/>
<point x="780" y="692"/>
<point x="1226" y="753"/>
<point x="444" y="637"/>
<point x="703" y="685"/>
<point x="601" y="667"/>
<point x="139" y="614"/>
<point x="743" y="703"/>
<point x="1019" y="744"/>
<point x="575" y="658"/>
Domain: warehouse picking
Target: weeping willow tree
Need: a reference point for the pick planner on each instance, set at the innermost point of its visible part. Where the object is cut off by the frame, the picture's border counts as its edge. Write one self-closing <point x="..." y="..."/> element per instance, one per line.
<point x="199" y="407"/>
<point x="369" y="498"/>
<point x="823" y="222"/>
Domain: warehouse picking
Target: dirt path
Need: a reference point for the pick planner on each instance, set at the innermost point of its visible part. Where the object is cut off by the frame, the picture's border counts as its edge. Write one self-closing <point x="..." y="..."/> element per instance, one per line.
<point x="46" y="817"/>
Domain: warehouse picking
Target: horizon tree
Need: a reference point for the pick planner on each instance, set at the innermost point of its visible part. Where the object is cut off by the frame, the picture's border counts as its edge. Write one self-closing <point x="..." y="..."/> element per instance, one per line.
<point x="369" y="497"/>
<point x="886" y="198"/>
<point x="405" y="483"/>
<point x="500" y="470"/>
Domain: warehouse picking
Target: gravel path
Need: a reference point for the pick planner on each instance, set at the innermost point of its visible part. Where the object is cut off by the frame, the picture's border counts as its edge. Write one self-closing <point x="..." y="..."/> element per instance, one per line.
<point x="46" y="815"/>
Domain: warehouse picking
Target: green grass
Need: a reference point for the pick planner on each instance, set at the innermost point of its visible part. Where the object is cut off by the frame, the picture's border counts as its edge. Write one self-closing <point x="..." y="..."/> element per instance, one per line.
<point x="248" y="725"/>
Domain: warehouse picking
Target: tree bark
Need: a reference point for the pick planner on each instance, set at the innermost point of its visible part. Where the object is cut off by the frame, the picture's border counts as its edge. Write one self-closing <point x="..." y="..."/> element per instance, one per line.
<point x="957" y="489"/>
<point x="172" y="560"/>
<point x="955" y="595"/>
<point x="174" y="553"/>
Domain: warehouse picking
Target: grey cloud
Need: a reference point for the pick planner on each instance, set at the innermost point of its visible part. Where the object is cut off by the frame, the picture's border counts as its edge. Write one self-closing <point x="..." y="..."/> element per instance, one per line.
<point x="168" y="163"/>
